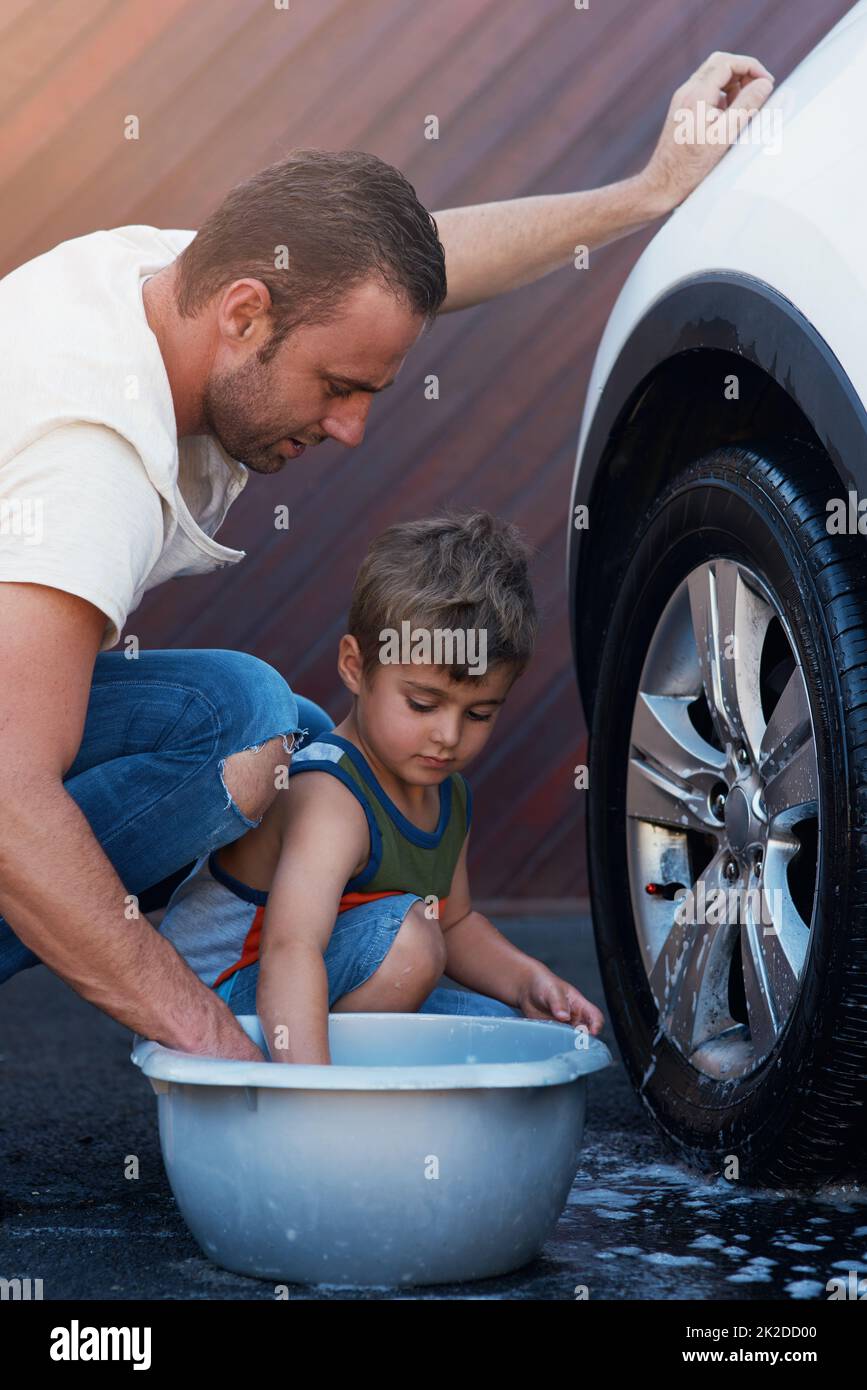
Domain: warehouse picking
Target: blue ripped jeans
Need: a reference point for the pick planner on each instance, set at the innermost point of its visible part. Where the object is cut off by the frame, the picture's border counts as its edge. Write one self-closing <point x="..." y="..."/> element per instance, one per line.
<point x="148" y="775"/>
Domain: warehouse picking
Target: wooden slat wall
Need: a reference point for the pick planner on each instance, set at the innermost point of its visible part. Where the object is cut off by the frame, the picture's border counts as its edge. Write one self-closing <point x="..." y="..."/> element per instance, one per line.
<point x="532" y="98"/>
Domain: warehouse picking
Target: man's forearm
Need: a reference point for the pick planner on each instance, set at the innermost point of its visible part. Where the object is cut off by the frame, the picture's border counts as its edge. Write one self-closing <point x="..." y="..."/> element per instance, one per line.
<point x="481" y="958"/>
<point x="63" y="899"/>
<point x="495" y="247"/>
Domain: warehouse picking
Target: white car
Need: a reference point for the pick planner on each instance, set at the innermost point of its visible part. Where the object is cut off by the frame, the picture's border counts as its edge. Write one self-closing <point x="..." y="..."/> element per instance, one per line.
<point x="717" y="574"/>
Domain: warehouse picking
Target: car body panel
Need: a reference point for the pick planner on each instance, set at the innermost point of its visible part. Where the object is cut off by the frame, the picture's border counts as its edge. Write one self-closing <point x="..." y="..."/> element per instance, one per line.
<point x="765" y="260"/>
<point x="794" y="219"/>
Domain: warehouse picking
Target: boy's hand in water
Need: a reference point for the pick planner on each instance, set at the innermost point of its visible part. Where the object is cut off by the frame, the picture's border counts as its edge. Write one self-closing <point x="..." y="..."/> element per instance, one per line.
<point x="545" y="995"/>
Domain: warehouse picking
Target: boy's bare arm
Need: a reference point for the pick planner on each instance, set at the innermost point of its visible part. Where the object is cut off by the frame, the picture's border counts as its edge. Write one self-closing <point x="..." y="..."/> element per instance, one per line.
<point x="477" y="955"/>
<point x="481" y="958"/>
<point x="325" y="838"/>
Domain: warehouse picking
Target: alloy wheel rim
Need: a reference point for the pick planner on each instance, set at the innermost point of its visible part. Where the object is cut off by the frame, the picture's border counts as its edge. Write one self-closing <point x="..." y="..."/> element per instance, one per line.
<point x="723" y="819"/>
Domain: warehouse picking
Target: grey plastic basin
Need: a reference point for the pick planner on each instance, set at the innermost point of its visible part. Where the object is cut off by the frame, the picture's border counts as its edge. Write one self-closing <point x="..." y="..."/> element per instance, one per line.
<point x="434" y="1148"/>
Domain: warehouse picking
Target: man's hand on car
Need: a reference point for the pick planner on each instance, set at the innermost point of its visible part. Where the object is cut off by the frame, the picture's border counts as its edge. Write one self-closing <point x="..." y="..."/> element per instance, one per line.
<point x="706" y="115"/>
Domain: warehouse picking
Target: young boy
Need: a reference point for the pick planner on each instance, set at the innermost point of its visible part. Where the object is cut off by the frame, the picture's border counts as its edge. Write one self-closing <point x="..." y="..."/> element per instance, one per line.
<point x="352" y="891"/>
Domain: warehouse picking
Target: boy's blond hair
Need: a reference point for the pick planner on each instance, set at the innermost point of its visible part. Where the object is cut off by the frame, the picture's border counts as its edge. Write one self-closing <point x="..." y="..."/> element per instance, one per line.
<point x="454" y="571"/>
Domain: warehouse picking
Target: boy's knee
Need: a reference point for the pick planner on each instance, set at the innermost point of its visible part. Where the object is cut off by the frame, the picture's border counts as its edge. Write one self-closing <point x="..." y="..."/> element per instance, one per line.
<point x="417" y="957"/>
<point x="251" y="777"/>
<point x="427" y="937"/>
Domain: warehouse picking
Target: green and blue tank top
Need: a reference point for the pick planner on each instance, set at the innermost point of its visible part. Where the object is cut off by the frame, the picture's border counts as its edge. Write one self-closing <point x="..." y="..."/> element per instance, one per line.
<point x="403" y="858"/>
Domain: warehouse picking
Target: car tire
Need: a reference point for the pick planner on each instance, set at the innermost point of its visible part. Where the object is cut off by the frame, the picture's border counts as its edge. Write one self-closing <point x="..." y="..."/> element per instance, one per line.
<point x="745" y="1040"/>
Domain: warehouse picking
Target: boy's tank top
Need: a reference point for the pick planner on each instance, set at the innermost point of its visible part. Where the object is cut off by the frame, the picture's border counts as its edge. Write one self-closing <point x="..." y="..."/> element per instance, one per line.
<point x="403" y="858"/>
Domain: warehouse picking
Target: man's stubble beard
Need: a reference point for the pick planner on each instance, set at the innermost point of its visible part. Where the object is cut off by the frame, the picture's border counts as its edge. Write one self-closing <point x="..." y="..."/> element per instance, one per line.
<point x="229" y="401"/>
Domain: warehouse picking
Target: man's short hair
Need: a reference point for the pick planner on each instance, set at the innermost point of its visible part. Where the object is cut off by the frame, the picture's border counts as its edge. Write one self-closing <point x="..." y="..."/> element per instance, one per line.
<point x="312" y="226"/>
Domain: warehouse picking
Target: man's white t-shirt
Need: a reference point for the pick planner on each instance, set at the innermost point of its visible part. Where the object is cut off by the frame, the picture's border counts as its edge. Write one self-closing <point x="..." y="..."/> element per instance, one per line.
<point x="97" y="495"/>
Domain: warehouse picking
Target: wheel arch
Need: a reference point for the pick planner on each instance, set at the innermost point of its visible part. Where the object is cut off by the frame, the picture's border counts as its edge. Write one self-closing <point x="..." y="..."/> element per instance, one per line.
<point x="664" y="403"/>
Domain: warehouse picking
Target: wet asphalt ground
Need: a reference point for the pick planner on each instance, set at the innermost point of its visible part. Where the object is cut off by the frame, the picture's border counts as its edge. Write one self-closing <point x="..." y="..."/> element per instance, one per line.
<point x="638" y="1224"/>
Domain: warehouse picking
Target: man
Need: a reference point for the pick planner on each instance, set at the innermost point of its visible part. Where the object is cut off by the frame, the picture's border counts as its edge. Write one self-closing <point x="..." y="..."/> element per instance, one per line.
<point x="146" y="373"/>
